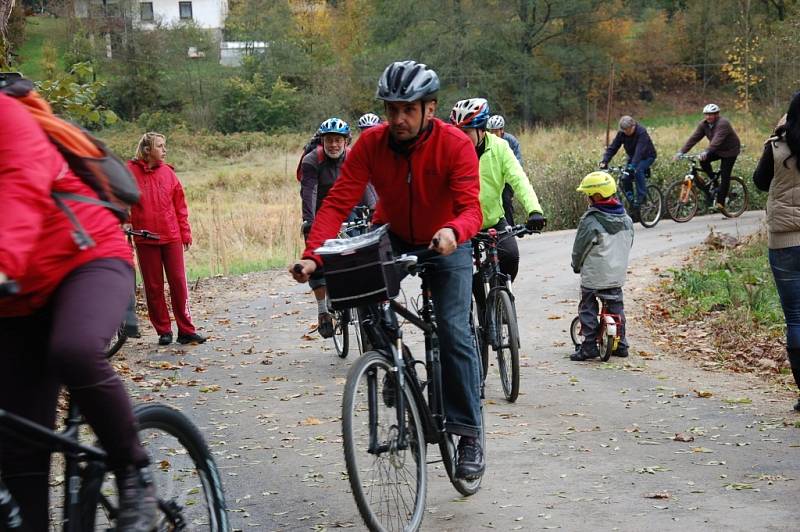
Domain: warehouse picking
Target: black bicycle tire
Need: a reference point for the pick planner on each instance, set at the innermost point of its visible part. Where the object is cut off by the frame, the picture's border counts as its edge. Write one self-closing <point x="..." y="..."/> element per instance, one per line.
<point x="510" y="389"/>
<point x="649" y="224"/>
<point x="448" y="449"/>
<point x="745" y="204"/>
<point x="574" y="331"/>
<point x="671" y="210"/>
<point x="117" y="341"/>
<point x="359" y="368"/>
<point x="341" y="322"/>
<point x="175" y="423"/>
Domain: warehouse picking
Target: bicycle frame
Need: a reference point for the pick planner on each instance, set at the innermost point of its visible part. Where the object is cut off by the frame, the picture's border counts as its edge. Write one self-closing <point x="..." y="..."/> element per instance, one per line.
<point x="82" y="485"/>
<point x="693" y="177"/>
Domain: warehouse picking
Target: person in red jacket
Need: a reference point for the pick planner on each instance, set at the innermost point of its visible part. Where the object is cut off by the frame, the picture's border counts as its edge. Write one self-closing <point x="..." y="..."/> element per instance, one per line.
<point x="162" y="210"/>
<point x="425" y="173"/>
<point x="55" y="330"/>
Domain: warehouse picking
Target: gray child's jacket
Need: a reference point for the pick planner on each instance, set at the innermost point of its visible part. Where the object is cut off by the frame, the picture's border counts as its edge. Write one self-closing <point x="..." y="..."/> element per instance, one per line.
<point x="602" y="246"/>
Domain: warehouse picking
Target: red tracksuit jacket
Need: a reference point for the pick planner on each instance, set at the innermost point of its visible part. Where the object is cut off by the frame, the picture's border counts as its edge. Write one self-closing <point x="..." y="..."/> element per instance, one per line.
<point x="162" y="208"/>
<point x="36" y="245"/>
<point x="435" y="186"/>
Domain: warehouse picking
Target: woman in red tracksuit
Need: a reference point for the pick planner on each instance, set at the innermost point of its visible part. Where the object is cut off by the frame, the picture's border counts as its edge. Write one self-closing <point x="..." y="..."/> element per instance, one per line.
<point x="162" y="210"/>
<point x="55" y="331"/>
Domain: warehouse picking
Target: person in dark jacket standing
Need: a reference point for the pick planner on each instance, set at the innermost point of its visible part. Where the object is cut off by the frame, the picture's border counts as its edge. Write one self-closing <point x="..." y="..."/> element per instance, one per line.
<point x="641" y="156"/>
<point x="162" y="210"/>
<point x="723" y="146"/>
<point x="497" y="126"/>
<point x="778" y="172"/>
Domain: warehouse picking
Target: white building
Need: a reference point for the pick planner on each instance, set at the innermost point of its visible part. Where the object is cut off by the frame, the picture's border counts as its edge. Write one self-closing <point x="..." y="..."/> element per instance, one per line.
<point x="209" y="14"/>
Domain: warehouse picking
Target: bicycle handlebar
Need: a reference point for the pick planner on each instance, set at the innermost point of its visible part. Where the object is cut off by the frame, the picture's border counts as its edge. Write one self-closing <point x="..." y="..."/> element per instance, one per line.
<point x="509" y="231"/>
<point x="143" y="233"/>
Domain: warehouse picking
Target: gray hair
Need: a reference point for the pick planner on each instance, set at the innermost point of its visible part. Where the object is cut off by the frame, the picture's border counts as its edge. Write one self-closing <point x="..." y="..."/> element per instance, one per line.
<point x="626" y="121"/>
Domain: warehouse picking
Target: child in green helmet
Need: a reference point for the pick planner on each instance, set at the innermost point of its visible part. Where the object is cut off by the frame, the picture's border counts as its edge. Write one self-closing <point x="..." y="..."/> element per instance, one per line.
<point x="600" y="254"/>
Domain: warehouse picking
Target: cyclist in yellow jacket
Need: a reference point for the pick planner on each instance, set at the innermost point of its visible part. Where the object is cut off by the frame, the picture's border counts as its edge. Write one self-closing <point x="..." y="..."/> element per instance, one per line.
<point x="498" y="167"/>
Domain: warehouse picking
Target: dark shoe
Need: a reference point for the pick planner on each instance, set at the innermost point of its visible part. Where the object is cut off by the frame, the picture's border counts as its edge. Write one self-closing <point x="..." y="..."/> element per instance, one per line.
<point x="387" y="391"/>
<point x="192" y="338"/>
<point x="165" y="339"/>
<point x="132" y="331"/>
<point x="585" y="352"/>
<point x="636" y="215"/>
<point x="797" y="406"/>
<point x="470" y="464"/>
<point x="137" y="500"/>
<point x="325" y="327"/>
<point x="621" y="352"/>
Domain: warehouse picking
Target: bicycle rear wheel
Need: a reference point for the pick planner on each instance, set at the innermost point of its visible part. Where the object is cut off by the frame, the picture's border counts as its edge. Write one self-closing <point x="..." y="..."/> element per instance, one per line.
<point x="188" y="485"/>
<point x="388" y="477"/>
<point x="681" y="201"/>
<point x="650" y="209"/>
<point x="341" y="332"/>
<point x="506" y="345"/>
<point x="448" y="447"/>
<point x="117" y="341"/>
<point x="737" y="200"/>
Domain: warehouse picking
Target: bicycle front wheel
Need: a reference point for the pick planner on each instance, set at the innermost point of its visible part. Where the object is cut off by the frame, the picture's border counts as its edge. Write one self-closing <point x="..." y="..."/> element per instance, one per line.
<point x="681" y="200"/>
<point x="387" y="470"/>
<point x="341" y="336"/>
<point x="605" y="341"/>
<point x="737" y="200"/>
<point x="507" y="344"/>
<point x="650" y="209"/>
<point x="188" y="485"/>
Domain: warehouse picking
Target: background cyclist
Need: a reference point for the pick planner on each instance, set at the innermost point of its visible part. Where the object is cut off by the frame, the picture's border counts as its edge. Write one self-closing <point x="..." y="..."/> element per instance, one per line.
<point x="319" y="170"/>
<point x="368" y="120"/>
<point x="641" y="156"/>
<point x="499" y="169"/>
<point x="723" y="146"/>
<point x="429" y="171"/>
<point x="497" y="126"/>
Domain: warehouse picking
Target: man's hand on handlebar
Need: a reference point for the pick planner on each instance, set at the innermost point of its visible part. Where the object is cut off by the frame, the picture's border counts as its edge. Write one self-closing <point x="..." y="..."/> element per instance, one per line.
<point x="444" y="241"/>
<point x="302" y="270"/>
<point x="602" y="166"/>
<point x="536" y="221"/>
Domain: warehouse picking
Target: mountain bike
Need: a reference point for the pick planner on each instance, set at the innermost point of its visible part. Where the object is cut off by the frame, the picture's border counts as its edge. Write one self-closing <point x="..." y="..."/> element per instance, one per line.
<point x="389" y="411"/>
<point x="344" y="319"/>
<point x="496" y="323"/>
<point x="188" y="484"/>
<point x="650" y="208"/>
<point x="682" y="198"/>
<point x="120" y="336"/>
<point x="608" y="335"/>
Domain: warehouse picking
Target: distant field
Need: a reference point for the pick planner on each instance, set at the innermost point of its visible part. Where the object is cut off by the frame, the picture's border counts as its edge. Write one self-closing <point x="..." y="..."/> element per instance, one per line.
<point x="38" y="32"/>
<point x="245" y="205"/>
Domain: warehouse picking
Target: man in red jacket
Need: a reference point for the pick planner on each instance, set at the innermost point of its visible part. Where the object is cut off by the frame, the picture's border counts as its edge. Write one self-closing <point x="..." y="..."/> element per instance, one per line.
<point x="428" y="171"/>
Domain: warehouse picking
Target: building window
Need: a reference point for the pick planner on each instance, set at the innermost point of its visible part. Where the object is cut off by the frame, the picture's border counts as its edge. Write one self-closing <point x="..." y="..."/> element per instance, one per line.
<point x="185" y="9"/>
<point x="146" y="11"/>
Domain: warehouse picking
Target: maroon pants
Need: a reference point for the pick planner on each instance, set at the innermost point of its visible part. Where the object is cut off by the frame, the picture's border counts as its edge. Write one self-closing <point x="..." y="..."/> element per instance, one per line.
<point x="153" y="261"/>
<point x="65" y="343"/>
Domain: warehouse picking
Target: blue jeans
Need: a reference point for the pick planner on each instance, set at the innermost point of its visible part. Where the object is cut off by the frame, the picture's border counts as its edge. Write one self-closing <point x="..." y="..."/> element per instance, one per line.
<point x="451" y="289"/>
<point x="785" y="264"/>
<point x="640" y="174"/>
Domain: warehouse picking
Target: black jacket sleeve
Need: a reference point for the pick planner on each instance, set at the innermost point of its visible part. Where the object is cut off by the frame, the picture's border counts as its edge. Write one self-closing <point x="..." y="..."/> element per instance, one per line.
<point x="613" y="148"/>
<point x="765" y="171"/>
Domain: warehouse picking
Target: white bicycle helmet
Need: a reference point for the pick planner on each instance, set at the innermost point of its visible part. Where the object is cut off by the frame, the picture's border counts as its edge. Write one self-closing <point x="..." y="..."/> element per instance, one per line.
<point x="368" y="120"/>
<point x="471" y="113"/>
<point x="407" y="81"/>
<point x="496" y="122"/>
<point x="711" y="108"/>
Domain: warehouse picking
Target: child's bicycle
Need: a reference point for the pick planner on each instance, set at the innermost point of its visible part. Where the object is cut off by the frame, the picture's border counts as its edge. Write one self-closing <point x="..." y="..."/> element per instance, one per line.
<point x="608" y="335"/>
<point x="682" y="200"/>
<point x="650" y="208"/>
<point x="121" y="334"/>
<point x="188" y="484"/>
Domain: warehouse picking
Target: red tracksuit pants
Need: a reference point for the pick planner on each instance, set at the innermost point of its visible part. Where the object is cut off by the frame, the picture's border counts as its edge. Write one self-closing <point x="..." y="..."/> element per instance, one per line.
<point x="154" y="260"/>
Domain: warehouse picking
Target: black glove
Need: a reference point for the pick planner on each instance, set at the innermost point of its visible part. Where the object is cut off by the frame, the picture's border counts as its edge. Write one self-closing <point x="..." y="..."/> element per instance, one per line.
<point x="306" y="227"/>
<point x="603" y="165"/>
<point x="536" y="222"/>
